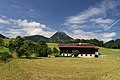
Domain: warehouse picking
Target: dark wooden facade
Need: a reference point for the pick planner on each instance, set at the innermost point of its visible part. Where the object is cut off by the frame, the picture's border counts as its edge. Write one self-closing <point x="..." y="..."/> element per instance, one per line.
<point x="82" y="48"/>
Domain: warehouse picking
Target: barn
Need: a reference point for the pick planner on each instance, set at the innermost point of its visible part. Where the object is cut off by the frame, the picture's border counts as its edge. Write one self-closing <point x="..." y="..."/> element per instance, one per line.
<point x="78" y="50"/>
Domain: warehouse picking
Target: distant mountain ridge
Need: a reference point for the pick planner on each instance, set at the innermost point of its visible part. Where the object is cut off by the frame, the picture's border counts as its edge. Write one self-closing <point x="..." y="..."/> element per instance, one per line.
<point x="58" y="36"/>
<point x="36" y="38"/>
<point x="61" y="37"/>
<point x="2" y="36"/>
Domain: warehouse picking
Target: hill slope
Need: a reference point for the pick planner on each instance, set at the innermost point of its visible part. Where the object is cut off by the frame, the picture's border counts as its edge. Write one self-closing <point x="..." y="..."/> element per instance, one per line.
<point x="2" y="36"/>
<point x="36" y="38"/>
<point x="60" y="36"/>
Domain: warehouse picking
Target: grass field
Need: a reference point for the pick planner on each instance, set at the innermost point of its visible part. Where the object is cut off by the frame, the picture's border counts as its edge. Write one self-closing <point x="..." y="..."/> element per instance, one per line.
<point x="107" y="51"/>
<point x="6" y="41"/>
<point x="107" y="68"/>
<point x="4" y="49"/>
<point x="61" y="69"/>
<point x="52" y="45"/>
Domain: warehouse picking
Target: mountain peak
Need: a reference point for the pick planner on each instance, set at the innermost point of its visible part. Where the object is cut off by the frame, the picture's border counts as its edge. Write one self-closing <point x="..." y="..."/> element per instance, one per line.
<point x="59" y="36"/>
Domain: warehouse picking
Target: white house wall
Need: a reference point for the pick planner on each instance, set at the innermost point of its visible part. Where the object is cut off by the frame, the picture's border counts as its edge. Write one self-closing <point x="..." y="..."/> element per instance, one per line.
<point x="82" y="56"/>
<point x="66" y="54"/>
<point x="88" y="55"/>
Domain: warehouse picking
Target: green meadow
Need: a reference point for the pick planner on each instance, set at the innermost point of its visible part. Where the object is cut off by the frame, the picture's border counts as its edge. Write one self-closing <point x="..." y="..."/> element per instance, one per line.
<point x="106" y="67"/>
<point x="4" y="49"/>
<point x="52" y="45"/>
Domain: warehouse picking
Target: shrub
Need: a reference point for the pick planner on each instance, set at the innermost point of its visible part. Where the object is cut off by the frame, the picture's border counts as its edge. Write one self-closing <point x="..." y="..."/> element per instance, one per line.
<point x="55" y="50"/>
<point x="57" y="55"/>
<point x="1" y="42"/>
<point x="4" y="56"/>
<point x="75" y="53"/>
<point x="42" y="49"/>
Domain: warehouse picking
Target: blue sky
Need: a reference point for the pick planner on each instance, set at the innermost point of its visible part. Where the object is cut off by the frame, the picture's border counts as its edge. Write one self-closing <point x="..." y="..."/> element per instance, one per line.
<point x="85" y="19"/>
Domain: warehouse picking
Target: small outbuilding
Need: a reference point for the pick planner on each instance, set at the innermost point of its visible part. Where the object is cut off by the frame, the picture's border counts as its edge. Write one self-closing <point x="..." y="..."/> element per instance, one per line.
<point x="83" y="50"/>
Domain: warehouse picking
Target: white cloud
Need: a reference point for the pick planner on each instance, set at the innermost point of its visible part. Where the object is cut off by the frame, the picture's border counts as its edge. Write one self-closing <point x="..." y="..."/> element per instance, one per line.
<point x="98" y="11"/>
<point x="13" y="33"/>
<point x="31" y="10"/>
<point x="80" y="34"/>
<point x="102" y="21"/>
<point x="110" y="4"/>
<point x="2" y="21"/>
<point x="92" y="21"/>
<point x="26" y="28"/>
<point x="108" y="35"/>
<point x="25" y="23"/>
<point x="106" y="39"/>
<point x="83" y="16"/>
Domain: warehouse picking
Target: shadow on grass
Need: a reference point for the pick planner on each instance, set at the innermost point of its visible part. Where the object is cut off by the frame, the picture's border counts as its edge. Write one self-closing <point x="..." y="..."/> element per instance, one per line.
<point x="31" y="58"/>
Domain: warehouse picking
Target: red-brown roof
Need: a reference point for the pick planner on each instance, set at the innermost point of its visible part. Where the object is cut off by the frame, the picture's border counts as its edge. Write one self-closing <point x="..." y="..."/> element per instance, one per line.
<point x="77" y="45"/>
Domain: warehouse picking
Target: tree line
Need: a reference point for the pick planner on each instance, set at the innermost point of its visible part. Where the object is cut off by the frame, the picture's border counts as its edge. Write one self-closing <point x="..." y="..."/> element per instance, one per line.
<point x="114" y="44"/>
<point x="27" y="48"/>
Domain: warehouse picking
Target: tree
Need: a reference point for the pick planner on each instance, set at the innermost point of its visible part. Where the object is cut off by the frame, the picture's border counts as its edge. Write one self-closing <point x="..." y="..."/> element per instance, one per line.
<point x="116" y="44"/>
<point x="55" y="51"/>
<point x="109" y="44"/>
<point x="15" y="44"/>
<point x="41" y="48"/>
<point x="28" y="48"/>
<point x="1" y="42"/>
<point x="4" y="56"/>
<point x="75" y="53"/>
<point x="77" y="40"/>
<point x="49" y="51"/>
<point x="11" y="45"/>
<point x="41" y="42"/>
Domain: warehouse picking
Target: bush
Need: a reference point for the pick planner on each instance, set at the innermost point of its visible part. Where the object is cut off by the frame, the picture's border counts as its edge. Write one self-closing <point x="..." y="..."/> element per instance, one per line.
<point x="4" y="56"/>
<point x="55" y="50"/>
<point x="57" y="55"/>
<point x="42" y="49"/>
<point x="75" y="53"/>
<point x="49" y="51"/>
<point x="1" y="42"/>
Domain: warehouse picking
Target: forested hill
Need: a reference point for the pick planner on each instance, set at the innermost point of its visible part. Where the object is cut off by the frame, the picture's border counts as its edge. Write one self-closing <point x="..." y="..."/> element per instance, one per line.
<point x="113" y="44"/>
<point x="60" y="36"/>
<point x="2" y="36"/>
<point x="36" y="38"/>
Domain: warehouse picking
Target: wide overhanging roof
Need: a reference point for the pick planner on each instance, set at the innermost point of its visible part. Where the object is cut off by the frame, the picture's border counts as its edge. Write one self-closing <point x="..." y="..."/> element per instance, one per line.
<point x="77" y="45"/>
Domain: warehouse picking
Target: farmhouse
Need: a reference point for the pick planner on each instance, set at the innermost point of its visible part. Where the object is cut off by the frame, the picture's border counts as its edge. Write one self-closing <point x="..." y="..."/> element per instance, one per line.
<point x="82" y="49"/>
